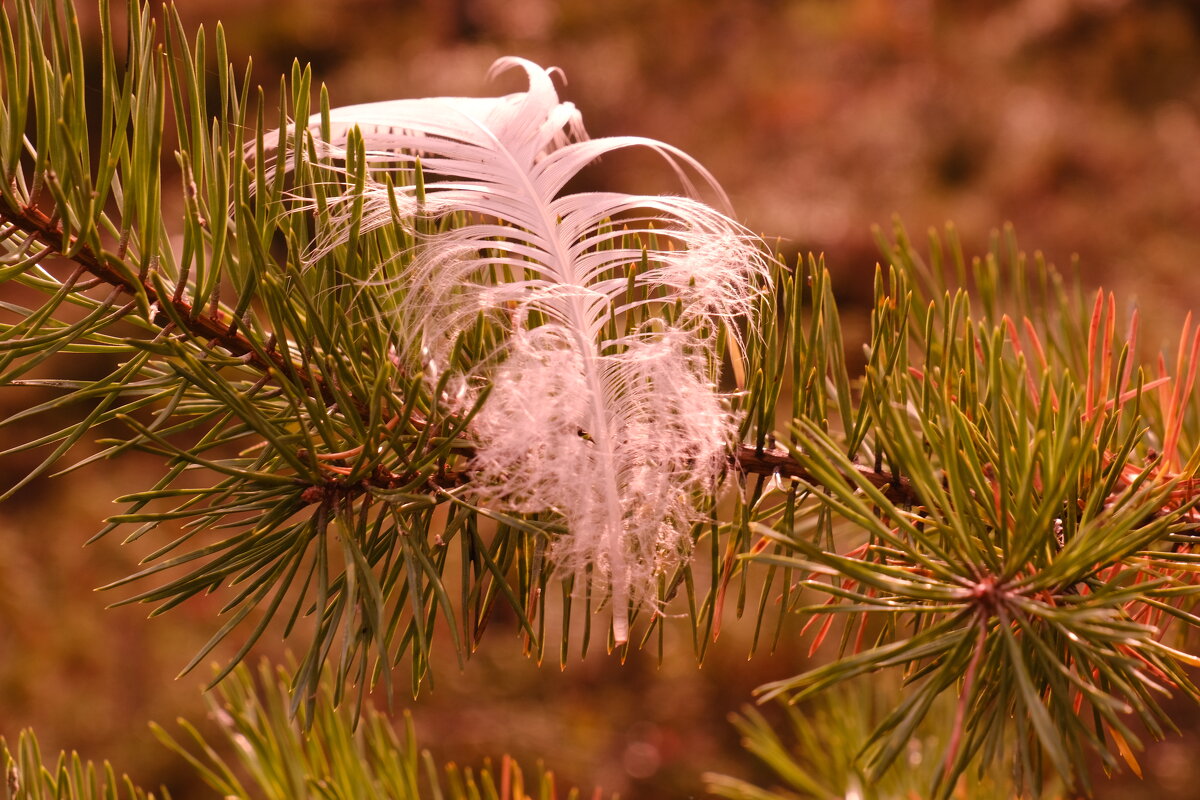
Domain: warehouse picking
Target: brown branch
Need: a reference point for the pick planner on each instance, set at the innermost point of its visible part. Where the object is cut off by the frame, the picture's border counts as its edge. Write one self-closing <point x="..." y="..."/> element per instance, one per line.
<point x="746" y="459"/>
<point x="107" y="268"/>
<point x="213" y="328"/>
<point x="334" y="488"/>
<point x="753" y="461"/>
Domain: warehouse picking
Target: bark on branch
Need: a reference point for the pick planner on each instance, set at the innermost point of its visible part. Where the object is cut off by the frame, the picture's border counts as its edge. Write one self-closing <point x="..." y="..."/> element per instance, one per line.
<point x="224" y="333"/>
<point x="208" y="327"/>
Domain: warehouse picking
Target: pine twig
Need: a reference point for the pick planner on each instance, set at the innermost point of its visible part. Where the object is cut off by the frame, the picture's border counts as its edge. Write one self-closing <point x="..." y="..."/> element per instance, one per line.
<point x="32" y="220"/>
<point x="753" y="461"/>
<point x="209" y="327"/>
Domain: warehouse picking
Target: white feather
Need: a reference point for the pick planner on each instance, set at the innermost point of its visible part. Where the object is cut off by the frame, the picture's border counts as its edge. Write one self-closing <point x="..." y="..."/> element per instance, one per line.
<point x="616" y="435"/>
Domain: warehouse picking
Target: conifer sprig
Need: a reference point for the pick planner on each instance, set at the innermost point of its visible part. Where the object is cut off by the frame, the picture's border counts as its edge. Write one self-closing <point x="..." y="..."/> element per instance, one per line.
<point x="304" y="460"/>
<point x="323" y="461"/>
<point x="1041" y="563"/>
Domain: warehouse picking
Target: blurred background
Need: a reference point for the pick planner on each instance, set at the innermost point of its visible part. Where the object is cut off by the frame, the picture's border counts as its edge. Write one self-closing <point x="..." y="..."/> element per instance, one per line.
<point x="1076" y="120"/>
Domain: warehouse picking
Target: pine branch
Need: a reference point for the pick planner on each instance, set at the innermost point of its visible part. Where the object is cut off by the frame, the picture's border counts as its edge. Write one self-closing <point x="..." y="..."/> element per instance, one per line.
<point x="745" y="459"/>
<point x="770" y="462"/>
<point x="109" y="268"/>
<point x="1050" y="550"/>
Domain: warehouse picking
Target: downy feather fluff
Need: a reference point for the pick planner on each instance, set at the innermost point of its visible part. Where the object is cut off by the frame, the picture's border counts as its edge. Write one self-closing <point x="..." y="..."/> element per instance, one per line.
<point x="617" y="434"/>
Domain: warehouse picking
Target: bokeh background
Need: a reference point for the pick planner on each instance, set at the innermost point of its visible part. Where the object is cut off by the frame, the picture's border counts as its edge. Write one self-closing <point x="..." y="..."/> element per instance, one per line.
<point x="1076" y="120"/>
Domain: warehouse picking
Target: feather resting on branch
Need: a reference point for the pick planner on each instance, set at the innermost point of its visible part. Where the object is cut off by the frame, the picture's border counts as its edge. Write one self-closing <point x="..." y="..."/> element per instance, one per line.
<point x="603" y="406"/>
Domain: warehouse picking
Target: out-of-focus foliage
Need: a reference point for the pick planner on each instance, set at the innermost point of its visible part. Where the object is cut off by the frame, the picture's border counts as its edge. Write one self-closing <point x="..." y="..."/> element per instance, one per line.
<point x="27" y="777"/>
<point x="334" y="753"/>
<point x="281" y="757"/>
<point x="815" y="756"/>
